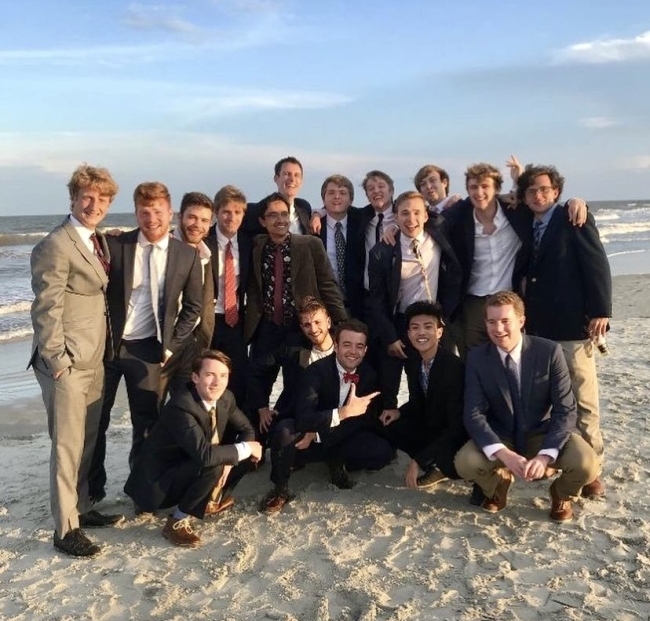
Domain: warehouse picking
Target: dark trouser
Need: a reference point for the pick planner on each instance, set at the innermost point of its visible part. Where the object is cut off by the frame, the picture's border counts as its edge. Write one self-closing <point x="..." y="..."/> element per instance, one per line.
<point x="177" y="373"/>
<point x="359" y="449"/>
<point x="230" y="340"/>
<point x="412" y="437"/>
<point x="471" y="324"/>
<point x="139" y="363"/>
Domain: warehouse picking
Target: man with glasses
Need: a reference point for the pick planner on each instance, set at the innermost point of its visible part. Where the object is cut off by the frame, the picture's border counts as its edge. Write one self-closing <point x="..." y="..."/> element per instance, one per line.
<point x="568" y="294"/>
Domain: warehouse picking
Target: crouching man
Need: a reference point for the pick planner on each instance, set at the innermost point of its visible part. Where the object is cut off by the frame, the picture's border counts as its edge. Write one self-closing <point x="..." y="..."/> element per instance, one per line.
<point x="183" y="462"/>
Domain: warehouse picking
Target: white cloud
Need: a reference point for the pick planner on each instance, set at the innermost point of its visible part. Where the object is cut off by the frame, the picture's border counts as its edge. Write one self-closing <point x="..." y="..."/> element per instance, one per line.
<point x="637" y="162"/>
<point x="607" y="50"/>
<point x="598" y="122"/>
<point x="156" y="17"/>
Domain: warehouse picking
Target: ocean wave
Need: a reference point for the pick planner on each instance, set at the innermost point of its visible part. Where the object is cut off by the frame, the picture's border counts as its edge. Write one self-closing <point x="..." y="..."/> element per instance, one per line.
<point x="623" y="228"/>
<point x="20" y="239"/>
<point x="19" y="333"/>
<point x="18" y="307"/>
<point x="624" y="252"/>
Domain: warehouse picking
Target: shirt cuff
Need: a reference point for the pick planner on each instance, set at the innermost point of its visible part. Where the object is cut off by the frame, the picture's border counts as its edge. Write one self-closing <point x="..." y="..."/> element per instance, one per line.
<point x="491" y="449"/>
<point x="551" y="452"/>
<point x="336" y="420"/>
<point x="243" y="451"/>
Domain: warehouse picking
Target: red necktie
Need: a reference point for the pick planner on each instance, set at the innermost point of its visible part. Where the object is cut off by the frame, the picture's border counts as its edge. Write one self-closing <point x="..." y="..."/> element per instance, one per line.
<point x="99" y="253"/>
<point x="352" y="378"/>
<point x="278" y="277"/>
<point x="229" y="295"/>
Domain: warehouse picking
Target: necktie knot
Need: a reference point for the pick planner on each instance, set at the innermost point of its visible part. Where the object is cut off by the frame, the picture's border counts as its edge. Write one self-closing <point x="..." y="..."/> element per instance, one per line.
<point x="351" y="378"/>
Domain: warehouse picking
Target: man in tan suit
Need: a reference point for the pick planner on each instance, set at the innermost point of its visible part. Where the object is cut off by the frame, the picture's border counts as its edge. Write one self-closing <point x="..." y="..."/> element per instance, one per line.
<point x="69" y="279"/>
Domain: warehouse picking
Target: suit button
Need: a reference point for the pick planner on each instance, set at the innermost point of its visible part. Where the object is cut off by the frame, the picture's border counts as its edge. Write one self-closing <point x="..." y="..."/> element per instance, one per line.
<point x="533" y="280"/>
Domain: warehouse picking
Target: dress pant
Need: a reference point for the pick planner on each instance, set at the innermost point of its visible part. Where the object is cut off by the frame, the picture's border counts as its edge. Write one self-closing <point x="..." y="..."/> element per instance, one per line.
<point x="73" y="404"/>
<point x="230" y="340"/>
<point x="470" y="328"/>
<point x="576" y="460"/>
<point x="139" y="363"/>
<point x="581" y="360"/>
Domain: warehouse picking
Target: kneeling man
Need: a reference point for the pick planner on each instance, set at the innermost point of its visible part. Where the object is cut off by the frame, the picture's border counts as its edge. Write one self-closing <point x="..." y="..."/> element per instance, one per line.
<point x="182" y="460"/>
<point x="520" y="414"/>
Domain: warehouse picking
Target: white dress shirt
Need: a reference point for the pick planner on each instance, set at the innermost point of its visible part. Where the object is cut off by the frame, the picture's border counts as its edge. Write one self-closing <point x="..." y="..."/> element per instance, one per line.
<point x="412" y="287"/>
<point x="222" y="242"/>
<point x="494" y="257"/>
<point x="294" y="220"/>
<point x="83" y="232"/>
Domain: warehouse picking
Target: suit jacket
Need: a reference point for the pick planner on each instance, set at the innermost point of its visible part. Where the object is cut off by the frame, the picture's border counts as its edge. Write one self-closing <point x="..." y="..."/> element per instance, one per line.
<point x="460" y="223"/>
<point x="354" y="261"/>
<point x="440" y="410"/>
<point x="182" y="298"/>
<point x="385" y="274"/>
<point x="569" y="282"/>
<point x="183" y="434"/>
<point x="311" y="274"/>
<point x="548" y="401"/>
<point x="318" y="395"/>
<point x="251" y="223"/>
<point x="69" y="309"/>
<point x="245" y="246"/>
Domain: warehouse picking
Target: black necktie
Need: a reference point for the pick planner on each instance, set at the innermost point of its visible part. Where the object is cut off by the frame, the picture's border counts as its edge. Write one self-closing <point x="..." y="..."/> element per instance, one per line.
<point x="379" y="229"/>
<point x="519" y="427"/>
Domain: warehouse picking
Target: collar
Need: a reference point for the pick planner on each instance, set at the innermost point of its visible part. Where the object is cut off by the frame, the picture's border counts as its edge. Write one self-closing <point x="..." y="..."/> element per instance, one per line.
<point x="204" y="252"/>
<point x="499" y="216"/>
<point x="209" y="405"/>
<point x="222" y="240"/>
<point x="515" y="354"/>
<point x="331" y="222"/>
<point x="407" y="241"/>
<point x="342" y="371"/>
<point x="546" y="217"/>
<point x="84" y="232"/>
<point x="162" y="244"/>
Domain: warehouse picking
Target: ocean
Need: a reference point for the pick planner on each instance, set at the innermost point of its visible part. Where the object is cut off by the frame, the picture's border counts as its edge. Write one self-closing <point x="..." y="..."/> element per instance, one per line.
<point x="624" y="229"/>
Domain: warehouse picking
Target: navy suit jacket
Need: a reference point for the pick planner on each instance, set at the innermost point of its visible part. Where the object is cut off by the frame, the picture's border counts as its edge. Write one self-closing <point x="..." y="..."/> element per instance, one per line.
<point x="569" y="282"/>
<point x="319" y="394"/>
<point x="354" y="261"/>
<point x="182" y="438"/>
<point x="385" y="273"/>
<point x="548" y="400"/>
<point x="440" y="410"/>
<point x="251" y="223"/>
<point x="182" y="297"/>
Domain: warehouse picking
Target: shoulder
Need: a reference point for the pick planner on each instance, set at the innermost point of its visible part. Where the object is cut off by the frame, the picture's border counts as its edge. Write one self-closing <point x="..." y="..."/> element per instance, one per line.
<point x="540" y="344"/>
<point x="181" y="248"/>
<point x="449" y="360"/>
<point x="302" y="204"/>
<point x="226" y="402"/>
<point x="477" y="356"/>
<point x="182" y="401"/>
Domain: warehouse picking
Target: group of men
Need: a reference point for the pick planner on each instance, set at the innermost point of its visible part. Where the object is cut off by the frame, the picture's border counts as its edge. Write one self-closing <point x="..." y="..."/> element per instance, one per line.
<point x="201" y="320"/>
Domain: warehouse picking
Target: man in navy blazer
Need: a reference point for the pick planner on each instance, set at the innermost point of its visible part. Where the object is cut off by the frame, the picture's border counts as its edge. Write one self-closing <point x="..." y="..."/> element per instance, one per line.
<point x="184" y="457"/>
<point x="341" y="230"/>
<point x="568" y="294"/>
<point x="520" y="414"/>
<point x="146" y="263"/>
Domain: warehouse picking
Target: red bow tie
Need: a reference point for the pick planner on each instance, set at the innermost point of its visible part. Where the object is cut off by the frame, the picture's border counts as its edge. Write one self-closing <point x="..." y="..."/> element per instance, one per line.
<point x="351" y="378"/>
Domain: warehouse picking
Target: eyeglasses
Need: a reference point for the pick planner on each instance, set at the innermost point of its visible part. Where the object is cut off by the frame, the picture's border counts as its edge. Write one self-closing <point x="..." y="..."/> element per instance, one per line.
<point x="544" y="191"/>
<point x="274" y="216"/>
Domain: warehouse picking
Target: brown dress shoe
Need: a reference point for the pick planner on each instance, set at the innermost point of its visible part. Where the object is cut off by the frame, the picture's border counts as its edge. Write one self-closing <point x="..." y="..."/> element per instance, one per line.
<point x="430" y="478"/>
<point x="499" y="500"/>
<point x="275" y="500"/>
<point x="561" y="508"/>
<point x="215" y="508"/>
<point x="180" y="533"/>
<point x="75" y="543"/>
<point x="595" y="489"/>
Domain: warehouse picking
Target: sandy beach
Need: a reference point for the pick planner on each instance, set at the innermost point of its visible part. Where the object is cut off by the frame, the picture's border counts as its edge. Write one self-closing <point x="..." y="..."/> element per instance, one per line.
<point x="376" y="552"/>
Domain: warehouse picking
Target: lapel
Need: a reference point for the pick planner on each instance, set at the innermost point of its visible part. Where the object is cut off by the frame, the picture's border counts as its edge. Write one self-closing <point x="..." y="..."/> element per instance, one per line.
<point x="260" y="240"/>
<point x="211" y="243"/>
<point x="469" y="231"/>
<point x="303" y="216"/>
<point x="499" y="373"/>
<point x="303" y="357"/>
<point x="128" y="261"/>
<point x="85" y="253"/>
<point x="323" y="231"/>
<point x="332" y="380"/>
<point x="296" y="252"/>
<point x="244" y="243"/>
<point x="395" y="269"/>
<point x="549" y="236"/>
<point x="527" y="371"/>
<point x="173" y="257"/>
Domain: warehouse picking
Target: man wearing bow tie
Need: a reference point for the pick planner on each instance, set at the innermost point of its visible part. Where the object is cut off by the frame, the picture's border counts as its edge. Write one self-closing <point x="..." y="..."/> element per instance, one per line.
<point x="336" y="417"/>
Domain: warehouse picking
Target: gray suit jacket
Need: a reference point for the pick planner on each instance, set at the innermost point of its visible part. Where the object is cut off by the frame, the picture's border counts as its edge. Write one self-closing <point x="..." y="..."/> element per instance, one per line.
<point x="548" y="401"/>
<point x="69" y="309"/>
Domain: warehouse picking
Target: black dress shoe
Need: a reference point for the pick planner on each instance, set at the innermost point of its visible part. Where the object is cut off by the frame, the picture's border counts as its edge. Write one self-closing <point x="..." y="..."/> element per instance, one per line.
<point x="95" y="519"/>
<point x="339" y="476"/>
<point x="75" y="543"/>
<point x="477" y="496"/>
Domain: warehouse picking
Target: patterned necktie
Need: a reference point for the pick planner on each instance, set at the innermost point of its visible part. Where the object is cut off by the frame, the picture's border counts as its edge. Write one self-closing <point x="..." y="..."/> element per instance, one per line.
<point x="278" y="286"/>
<point x="229" y="285"/>
<point x="425" y="369"/>
<point x="99" y="253"/>
<point x="339" y="243"/>
<point x="519" y="438"/>
<point x="415" y="246"/>
<point x="213" y="425"/>
<point x="537" y="236"/>
<point x="380" y="227"/>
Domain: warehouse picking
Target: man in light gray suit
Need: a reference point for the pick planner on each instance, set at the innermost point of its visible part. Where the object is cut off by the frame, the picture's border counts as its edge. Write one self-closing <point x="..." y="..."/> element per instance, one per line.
<point x="69" y="280"/>
<point x="520" y="413"/>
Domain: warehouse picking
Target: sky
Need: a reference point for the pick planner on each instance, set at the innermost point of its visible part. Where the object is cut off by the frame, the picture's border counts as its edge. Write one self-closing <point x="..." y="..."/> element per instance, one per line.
<point x="201" y="93"/>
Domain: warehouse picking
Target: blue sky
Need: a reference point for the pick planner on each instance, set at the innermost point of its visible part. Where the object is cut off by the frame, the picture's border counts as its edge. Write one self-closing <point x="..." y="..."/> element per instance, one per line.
<point x="201" y="93"/>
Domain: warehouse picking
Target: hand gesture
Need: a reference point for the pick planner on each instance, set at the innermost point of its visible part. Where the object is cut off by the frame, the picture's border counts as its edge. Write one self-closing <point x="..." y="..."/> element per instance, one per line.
<point x="396" y="349"/>
<point x="315" y="224"/>
<point x="388" y="416"/>
<point x="515" y="168"/>
<point x="266" y="418"/>
<point x="536" y="467"/>
<point x="356" y="406"/>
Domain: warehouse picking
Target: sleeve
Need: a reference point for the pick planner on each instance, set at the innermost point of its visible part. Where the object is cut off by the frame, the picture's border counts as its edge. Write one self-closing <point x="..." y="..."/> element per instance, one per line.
<point x="477" y="405"/>
<point x="328" y="288"/>
<point x="191" y="304"/>
<point x="308" y="415"/>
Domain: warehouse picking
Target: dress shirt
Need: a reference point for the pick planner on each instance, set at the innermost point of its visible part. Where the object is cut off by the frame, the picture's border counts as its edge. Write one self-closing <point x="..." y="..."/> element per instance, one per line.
<point x="412" y="287"/>
<point x="84" y="233"/>
<point x="494" y="257"/>
<point x="389" y="218"/>
<point x="545" y="219"/>
<point x="438" y="207"/>
<point x="243" y="450"/>
<point x="330" y="223"/>
<point x="515" y="354"/>
<point x="140" y="318"/>
<point x="294" y="220"/>
<point x="222" y="242"/>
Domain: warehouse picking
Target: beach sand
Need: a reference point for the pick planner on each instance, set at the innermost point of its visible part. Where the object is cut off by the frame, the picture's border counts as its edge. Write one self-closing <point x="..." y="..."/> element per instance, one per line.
<point x="376" y="552"/>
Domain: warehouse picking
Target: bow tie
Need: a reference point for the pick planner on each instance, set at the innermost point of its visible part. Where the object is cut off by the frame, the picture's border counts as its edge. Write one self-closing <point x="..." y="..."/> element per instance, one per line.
<point x="351" y="378"/>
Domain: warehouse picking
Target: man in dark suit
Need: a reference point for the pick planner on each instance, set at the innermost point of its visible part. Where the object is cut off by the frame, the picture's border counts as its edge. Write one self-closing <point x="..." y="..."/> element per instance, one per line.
<point x="342" y="235"/>
<point x="194" y="220"/>
<point x="155" y="296"/>
<point x="69" y="315"/>
<point x="335" y="418"/>
<point x="184" y="459"/>
<point x="520" y="414"/>
<point x="421" y="265"/>
<point x="429" y="426"/>
<point x="286" y="268"/>
<point x="231" y="262"/>
<point x="568" y="294"/>
<point x="288" y="176"/>
<point x="433" y="183"/>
